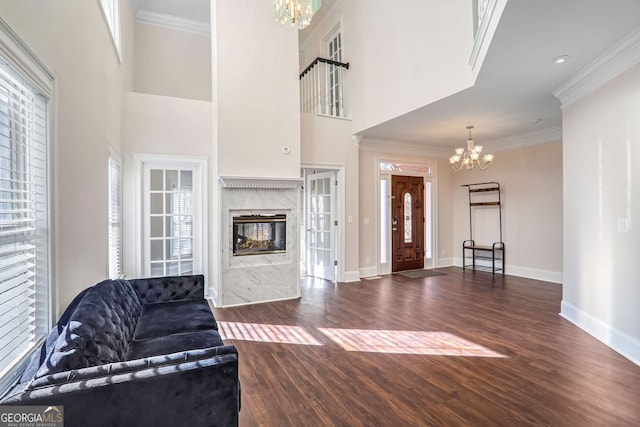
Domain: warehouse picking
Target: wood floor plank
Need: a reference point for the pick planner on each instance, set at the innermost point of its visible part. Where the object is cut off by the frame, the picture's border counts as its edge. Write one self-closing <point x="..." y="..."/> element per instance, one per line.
<point x="548" y="371"/>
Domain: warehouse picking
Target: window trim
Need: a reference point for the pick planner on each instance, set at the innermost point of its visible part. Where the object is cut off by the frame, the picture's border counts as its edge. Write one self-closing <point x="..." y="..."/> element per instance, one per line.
<point x="335" y="93"/>
<point x="114" y="30"/>
<point x="19" y="56"/>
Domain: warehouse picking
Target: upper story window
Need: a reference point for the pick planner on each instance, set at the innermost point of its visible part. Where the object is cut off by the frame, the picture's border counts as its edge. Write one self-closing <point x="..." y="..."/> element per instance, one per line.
<point x="25" y="96"/>
<point x="335" y="83"/>
<point x="111" y="13"/>
<point x="323" y="83"/>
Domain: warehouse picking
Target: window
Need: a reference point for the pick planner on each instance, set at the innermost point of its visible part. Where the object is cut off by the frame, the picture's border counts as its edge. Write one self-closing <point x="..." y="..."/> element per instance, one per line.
<point x="115" y="217"/>
<point x="25" y="86"/>
<point x="111" y="13"/>
<point x="334" y="52"/>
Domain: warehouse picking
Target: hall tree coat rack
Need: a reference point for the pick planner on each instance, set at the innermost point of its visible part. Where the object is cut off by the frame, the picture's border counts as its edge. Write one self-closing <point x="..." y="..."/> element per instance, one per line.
<point x="483" y="195"/>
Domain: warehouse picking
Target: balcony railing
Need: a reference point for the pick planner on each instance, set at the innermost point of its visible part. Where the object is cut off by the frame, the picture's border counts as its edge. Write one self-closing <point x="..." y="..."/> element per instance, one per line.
<point x="322" y="88"/>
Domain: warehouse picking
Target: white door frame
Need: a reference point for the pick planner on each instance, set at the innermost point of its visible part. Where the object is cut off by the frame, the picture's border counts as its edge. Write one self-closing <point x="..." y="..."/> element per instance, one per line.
<point x="427" y="177"/>
<point x="200" y="195"/>
<point x="339" y="214"/>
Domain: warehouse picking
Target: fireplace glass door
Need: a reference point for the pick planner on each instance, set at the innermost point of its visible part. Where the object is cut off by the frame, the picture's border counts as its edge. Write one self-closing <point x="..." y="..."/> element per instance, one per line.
<point x="259" y="234"/>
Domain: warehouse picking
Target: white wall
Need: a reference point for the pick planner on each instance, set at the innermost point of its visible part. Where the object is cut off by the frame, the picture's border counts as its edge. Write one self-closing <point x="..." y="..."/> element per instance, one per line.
<point x="531" y="193"/>
<point x="172" y="62"/>
<point x="405" y="57"/>
<point x="73" y="40"/>
<point x="153" y="124"/>
<point x="601" y="135"/>
<point x="256" y="93"/>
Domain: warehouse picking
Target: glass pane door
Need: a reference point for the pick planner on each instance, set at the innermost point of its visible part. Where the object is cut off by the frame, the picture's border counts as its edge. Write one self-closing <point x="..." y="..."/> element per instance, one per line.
<point x="320" y="228"/>
<point x="169" y="221"/>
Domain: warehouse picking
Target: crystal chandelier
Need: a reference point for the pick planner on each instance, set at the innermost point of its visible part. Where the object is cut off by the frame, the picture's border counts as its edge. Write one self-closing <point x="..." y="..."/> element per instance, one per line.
<point x="296" y="13"/>
<point x="470" y="158"/>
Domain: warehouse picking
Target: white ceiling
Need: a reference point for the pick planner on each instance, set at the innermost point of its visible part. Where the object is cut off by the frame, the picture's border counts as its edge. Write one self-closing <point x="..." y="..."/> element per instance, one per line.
<point x="515" y="84"/>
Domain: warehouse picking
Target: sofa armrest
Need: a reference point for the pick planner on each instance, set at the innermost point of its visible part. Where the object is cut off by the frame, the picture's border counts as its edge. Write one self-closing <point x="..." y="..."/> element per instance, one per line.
<point x="170" y="288"/>
<point x="200" y="390"/>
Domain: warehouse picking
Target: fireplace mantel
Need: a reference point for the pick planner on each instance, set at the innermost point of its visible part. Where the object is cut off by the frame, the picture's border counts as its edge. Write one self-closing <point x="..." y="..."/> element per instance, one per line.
<point x="253" y="182"/>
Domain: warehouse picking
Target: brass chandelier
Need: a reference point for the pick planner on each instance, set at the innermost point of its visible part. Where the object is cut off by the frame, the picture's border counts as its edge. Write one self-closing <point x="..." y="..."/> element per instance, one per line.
<point x="470" y="158"/>
<point x="296" y="13"/>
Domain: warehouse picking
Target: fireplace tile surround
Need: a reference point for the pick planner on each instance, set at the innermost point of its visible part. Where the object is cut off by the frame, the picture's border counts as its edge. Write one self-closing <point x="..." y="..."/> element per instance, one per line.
<point x="259" y="277"/>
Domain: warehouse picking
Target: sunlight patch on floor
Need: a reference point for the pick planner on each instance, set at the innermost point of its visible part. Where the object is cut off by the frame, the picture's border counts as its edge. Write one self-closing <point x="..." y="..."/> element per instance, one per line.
<point x="283" y="334"/>
<point x="406" y="342"/>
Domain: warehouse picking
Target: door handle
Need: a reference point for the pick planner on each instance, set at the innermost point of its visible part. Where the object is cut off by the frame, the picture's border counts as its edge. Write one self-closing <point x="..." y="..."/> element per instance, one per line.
<point x="394" y="229"/>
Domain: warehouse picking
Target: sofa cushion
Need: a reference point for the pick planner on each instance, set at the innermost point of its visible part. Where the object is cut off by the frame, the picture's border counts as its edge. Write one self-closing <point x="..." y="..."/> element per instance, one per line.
<point x="99" y="329"/>
<point x="174" y="343"/>
<point x="164" y="289"/>
<point x="174" y="317"/>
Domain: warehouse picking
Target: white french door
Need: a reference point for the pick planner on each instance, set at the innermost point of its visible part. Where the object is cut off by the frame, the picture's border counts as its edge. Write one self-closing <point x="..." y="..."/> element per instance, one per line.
<point x="321" y="197"/>
<point x="172" y="219"/>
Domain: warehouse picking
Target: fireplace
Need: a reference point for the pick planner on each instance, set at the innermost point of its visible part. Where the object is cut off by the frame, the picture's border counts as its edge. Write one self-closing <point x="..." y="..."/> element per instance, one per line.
<point x="259" y="234"/>
<point x="259" y="240"/>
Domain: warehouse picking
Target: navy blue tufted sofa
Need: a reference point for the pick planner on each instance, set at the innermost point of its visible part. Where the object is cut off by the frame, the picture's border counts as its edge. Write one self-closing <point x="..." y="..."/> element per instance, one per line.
<point x="143" y="352"/>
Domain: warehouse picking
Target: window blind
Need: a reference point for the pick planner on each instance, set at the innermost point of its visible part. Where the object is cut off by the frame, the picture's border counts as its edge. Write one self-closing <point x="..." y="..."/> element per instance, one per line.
<point x="115" y="219"/>
<point x="24" y="281"/>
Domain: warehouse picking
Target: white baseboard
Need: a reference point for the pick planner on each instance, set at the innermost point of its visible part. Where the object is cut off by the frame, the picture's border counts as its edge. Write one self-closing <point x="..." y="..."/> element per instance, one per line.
<point x="446" y="262"/>
<point x="368" y="272"/>
<point x="618" y="341"/>
<point x="526" y="272"/>
<point x="259" y="302"/>
<point x="534" y="273"/>
<point x="351" y="276"/>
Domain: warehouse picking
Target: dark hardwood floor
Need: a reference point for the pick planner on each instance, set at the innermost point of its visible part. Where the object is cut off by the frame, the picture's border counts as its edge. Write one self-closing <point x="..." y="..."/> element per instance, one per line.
<point x="458" y="349"/>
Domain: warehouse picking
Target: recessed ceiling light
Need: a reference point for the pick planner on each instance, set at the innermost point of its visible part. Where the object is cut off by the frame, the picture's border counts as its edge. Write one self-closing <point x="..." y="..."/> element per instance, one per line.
<point x="560" y="59"/>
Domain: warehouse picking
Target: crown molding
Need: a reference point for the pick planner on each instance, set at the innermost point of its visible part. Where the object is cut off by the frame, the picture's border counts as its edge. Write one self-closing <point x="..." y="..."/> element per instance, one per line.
<point x="618" y="59"/>
<point x="173" y="22"/>
<point x="542" y="136"/>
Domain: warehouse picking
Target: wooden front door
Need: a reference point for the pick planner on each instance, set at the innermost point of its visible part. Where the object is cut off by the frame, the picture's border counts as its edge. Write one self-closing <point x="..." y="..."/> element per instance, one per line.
<point x="407" y="222"/>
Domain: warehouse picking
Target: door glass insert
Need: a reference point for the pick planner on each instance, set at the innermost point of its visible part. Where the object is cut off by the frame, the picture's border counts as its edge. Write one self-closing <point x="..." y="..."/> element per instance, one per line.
<point x="407" y="218"/>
